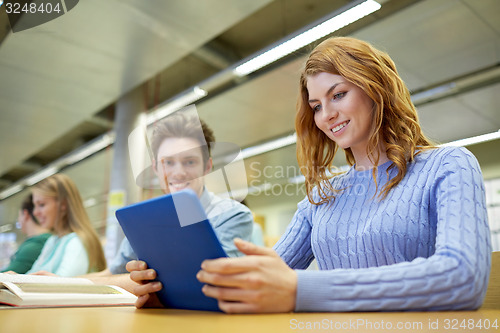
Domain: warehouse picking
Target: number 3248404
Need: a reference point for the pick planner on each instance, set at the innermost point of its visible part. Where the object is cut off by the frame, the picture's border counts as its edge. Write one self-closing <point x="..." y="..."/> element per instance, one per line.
<point x="32" y="8"/>
<point x="468" y="324"/>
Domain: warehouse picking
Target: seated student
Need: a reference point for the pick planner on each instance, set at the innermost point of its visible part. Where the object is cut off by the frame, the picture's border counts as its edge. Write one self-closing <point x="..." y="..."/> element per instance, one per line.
<point x="36" y="235"/>
<point x="404" y="229"/>
<point x="181" y="144"/>
<point x="74" y="247"/>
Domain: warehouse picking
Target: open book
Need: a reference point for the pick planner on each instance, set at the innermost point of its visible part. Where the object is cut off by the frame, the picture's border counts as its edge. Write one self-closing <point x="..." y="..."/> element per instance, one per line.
<point x="20" y="290"/>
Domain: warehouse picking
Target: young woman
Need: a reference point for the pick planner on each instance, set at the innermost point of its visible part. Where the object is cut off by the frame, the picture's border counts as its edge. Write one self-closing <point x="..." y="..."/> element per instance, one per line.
<point x="404" y="229"/>
<point x="74" y="248"/>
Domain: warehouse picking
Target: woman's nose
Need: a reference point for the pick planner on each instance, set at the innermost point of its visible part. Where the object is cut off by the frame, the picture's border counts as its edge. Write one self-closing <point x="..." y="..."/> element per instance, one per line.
<point x="329" y="113"/>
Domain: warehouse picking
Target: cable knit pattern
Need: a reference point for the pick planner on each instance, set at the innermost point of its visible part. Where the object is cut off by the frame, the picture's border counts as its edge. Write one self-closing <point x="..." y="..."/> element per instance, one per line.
<point x="426" y="246"/>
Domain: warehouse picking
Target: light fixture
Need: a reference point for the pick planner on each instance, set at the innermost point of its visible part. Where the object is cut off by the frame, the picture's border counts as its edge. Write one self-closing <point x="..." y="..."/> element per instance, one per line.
<point x="335" y="23"/>
<point x="5" y="228"/>
<point x="10" y="191"/>
<point x="91" y="148"/>
<point x="190" y="97"/>
<point x="44" y="173"/>
<point x="89" y="202"/>
<point x="473" y="140"/>
<point x="433" y="93"/>
<point x="269" y="146"/>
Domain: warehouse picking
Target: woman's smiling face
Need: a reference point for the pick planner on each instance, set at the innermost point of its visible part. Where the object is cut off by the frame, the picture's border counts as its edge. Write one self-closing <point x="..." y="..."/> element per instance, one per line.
<point x="46" y="210"/>
<point x="342" y="111"/>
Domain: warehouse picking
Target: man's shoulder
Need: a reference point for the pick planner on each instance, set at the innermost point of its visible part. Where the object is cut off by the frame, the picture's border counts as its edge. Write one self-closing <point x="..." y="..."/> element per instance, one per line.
<point x="221" y="210"/>
<point x="41" y="238"/>
<point x="224" y="204"/>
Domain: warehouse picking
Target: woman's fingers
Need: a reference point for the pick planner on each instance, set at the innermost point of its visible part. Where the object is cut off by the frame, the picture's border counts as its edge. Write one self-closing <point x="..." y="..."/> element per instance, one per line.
<point x="246" y="280"/>
<point x="237" y="307"/>
<point x="229" y="294"/>
<point x="238" y="265"/>
<point x="256" y="283"/>
<point x="249" y="248"/>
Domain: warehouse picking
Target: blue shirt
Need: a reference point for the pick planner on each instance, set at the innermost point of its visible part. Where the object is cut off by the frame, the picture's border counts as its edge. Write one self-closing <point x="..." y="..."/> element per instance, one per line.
<point x="229" y="218"/>
<point x="63" y="256"/>
<point x="426" y="246"/>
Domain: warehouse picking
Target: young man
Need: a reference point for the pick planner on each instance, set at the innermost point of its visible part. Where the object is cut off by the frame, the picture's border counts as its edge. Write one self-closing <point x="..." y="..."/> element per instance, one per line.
<point x="36" y="236"/>
<point x="182" y="157"/>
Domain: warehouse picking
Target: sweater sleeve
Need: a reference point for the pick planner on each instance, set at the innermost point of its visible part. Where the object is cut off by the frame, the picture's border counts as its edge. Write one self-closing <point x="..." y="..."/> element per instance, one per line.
<point x="294" y="247"/>
<point x="455" y="277"/>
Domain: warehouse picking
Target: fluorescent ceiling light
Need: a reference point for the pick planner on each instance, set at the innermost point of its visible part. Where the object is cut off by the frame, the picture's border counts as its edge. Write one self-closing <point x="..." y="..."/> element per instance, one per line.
<point x="335" y="23"/>
<point x="190" y="97"/>
<point x="44" y="173"/>
<point x="268" y="146"/>
<point x="5" y="228"/>
<point x="473" y="140"/>
<point x="10" y="191"/>
<point x="433" y="93"/>
<point x="90" y="149"/>
<point x="89" y="202"/>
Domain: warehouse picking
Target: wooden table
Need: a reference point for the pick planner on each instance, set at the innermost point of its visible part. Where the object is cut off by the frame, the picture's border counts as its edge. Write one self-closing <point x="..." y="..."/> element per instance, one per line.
<point x="129" y="319"/>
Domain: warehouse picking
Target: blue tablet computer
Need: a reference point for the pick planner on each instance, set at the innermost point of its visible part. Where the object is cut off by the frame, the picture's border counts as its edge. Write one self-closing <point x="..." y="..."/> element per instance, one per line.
<point x="173" y="236"/>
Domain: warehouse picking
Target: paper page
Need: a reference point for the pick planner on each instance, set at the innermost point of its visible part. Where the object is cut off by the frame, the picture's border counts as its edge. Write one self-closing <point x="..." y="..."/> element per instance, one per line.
<point x="66" y="288"/>
<point x="25" y="278"/>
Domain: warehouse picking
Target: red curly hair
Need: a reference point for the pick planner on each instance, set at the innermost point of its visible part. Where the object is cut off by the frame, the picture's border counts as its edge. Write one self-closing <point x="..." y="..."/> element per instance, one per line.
<point x="395" y="120"/>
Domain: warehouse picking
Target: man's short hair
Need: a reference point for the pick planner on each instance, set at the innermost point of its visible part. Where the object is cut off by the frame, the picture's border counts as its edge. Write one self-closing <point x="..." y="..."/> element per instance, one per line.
<point x="181" y="125"/>
<point x="28" y="205"/>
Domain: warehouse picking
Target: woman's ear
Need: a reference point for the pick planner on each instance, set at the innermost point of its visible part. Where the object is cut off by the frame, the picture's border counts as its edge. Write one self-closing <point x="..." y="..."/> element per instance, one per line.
<point x="63" y="206"/>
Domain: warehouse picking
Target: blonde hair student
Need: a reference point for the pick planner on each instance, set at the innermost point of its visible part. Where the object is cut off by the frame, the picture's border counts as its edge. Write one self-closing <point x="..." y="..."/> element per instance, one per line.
<point x="74" y="247"/>
<point x="405" y="228"/>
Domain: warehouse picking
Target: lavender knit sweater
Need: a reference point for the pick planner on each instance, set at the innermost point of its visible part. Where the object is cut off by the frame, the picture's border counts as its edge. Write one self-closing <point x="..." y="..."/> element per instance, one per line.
<point x="426" y="246"/>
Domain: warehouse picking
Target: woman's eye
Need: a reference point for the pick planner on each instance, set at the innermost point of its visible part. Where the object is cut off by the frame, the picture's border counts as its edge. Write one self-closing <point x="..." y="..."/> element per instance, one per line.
<point x="316" y="108"/>
<point x="339" y="95"/>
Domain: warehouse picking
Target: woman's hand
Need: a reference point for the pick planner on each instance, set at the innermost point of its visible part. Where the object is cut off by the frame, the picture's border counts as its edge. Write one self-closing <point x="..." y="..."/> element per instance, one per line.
<point x="259" y="282"/>
<point x="146" y="288"/>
